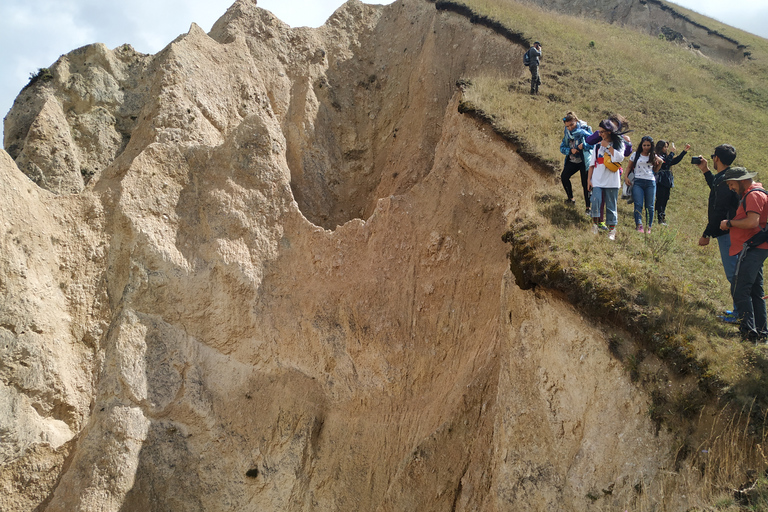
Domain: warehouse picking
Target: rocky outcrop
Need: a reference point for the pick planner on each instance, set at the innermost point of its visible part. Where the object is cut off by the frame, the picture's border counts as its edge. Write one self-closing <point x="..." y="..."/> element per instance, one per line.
<point x="657" y="18"/>
<point x="284" y="287"/>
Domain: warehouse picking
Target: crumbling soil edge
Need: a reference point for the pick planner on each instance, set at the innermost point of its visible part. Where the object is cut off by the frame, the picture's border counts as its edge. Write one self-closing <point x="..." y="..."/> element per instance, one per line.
<point x="520" y="38"/>
<point x="481" y="19"/>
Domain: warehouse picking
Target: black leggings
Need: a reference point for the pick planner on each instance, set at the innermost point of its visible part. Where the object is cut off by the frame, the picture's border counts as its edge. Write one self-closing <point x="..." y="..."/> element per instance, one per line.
<point x="569" y="169"/>
<point x="662" y="196"/>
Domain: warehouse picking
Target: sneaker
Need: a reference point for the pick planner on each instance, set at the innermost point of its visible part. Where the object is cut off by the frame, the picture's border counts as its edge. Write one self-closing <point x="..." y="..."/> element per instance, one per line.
<point x="630" y="201"/>
<point x="588" y="211"/>
<point x="594" y="229"/>
<point x="640" y="228"/>
<point x="570" y="200"/>
<point x="612" y="234"/>
<point x="602" y="226"/>
<point x="729" y="318"/>
<point x="664" y="223"/>
<point x="648" y="231"/>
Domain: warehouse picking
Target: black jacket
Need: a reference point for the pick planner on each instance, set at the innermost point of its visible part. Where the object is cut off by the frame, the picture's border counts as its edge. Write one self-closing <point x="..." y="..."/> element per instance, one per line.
<point x="722" y="203"/>
<point x="665" y="177"/>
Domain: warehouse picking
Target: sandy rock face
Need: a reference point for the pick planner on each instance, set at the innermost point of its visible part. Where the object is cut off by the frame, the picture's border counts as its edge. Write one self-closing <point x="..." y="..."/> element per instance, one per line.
<point x="283" y="286"/>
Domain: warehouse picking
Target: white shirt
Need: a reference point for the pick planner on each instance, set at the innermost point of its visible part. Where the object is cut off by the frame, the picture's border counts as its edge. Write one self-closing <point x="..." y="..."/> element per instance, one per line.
<point x="643" y="169"/>
<point x="601" y="176"/>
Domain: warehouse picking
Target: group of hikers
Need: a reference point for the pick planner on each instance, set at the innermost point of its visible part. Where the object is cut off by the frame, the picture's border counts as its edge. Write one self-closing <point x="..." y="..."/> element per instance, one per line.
<point x="598" y="156"/>
<point x="736" y="216"/>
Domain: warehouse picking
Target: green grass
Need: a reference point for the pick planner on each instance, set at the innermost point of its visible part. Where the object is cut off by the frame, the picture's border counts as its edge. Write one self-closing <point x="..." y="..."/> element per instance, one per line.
<point x="669" y="92"/>
<point x="663" y="287"/>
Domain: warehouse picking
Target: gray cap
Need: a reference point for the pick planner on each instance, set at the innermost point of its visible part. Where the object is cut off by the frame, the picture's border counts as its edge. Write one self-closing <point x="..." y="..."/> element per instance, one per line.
<point x="738" y="173"/>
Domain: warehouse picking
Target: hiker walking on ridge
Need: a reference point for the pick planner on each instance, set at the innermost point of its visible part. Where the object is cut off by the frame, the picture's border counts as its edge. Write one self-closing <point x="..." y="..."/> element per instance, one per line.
<point x="721" y="205"/>
<point x="531" y="59"/>
<point x="577" y="155"/>
<point x="750" y="219"/>
<point x="664" y="179"/>
<point x="604" y="179"/>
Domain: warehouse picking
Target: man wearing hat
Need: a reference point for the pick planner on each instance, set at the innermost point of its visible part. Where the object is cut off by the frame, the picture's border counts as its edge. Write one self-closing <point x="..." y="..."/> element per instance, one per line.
<point x="721" y="205"/>
<point x="751" y="216"/>
<point x="534" y="54"/>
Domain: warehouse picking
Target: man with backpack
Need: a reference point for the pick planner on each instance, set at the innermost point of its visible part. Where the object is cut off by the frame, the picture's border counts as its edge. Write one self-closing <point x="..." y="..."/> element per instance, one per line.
<point x="749" y="241"/>
<point x="531" y="59"/>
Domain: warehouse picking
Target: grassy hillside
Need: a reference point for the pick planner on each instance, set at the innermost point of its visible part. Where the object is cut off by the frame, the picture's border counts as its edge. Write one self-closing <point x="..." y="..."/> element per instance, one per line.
<point x="663" y="288"/>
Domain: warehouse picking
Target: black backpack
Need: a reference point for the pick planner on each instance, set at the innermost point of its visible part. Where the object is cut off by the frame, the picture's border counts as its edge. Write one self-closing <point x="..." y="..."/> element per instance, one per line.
<point x="527" y="58"/>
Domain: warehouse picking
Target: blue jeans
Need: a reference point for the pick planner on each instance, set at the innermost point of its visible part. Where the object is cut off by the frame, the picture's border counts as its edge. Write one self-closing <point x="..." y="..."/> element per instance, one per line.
<point x="644" y="191"/>
<point x="748" y="295"/>
<point x="729" y="262"/>
<point x="611" y="198"/>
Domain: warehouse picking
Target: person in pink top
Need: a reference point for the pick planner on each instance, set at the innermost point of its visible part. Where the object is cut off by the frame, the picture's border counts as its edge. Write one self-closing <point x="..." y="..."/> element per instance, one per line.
<point x="750" y="218"/>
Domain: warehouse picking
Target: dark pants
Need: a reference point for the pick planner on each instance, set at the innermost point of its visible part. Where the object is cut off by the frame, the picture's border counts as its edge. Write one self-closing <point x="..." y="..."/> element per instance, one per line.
<point x="662" y="197"/>
<point x="748" y="295"/>
<point x="535" y="80"/>
<point x="571" y="168"/>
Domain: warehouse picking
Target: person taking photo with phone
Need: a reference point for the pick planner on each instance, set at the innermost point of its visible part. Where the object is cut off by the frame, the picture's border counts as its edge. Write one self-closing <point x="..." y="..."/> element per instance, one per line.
<point x="721" y="205"/>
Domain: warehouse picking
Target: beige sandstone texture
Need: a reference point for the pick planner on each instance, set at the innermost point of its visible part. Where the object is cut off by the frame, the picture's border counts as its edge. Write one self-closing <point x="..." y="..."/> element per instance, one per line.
<point x="262" y="270"/>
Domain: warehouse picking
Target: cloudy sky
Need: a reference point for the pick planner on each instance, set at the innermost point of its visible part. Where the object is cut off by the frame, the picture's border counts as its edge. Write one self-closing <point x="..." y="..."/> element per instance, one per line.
<point x="34" y="33"/>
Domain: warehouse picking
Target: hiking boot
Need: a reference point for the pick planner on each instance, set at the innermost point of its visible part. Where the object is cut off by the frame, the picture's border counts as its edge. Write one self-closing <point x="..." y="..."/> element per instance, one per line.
<point x="753" y="337"/>
<point x="612" y="234"/>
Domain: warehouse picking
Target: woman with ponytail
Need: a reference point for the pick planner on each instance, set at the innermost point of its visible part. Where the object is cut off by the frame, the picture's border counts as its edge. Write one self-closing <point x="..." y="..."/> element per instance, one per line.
<point x="664" y="179"/>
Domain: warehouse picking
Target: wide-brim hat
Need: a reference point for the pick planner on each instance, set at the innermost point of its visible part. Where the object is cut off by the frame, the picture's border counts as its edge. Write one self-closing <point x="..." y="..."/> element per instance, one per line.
<point x="737" y="174"/>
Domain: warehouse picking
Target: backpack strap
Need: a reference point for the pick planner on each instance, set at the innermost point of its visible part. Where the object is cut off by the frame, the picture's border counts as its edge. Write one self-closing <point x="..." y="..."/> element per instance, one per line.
<point x="741" y="202"/>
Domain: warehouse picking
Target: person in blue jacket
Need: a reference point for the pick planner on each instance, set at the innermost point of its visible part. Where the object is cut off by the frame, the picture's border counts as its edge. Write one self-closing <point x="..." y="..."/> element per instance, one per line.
<point x="578" y="154"/>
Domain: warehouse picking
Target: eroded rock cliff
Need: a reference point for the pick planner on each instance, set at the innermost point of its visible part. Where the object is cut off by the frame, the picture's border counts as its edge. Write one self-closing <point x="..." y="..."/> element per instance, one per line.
<point x="263" y="270"/>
